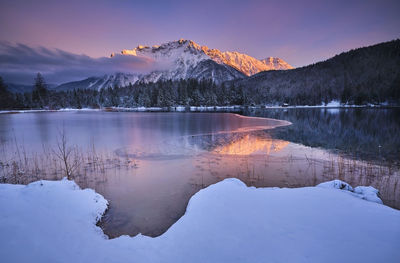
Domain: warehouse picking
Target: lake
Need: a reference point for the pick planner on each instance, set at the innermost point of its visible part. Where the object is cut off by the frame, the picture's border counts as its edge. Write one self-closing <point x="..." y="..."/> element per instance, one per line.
<point x="149" y="164"/>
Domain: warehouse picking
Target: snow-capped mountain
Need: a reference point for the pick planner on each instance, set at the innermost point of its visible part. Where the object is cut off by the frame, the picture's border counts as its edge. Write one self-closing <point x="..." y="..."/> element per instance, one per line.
<point x="183" y="59"/>
<point x="245" y="63"/>
<point x="204" y="69"/>
<point x="186" y="53"/>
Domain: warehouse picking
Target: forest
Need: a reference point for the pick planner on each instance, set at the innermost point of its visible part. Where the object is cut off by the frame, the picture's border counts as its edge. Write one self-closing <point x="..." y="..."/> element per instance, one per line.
<point x="160" y="94"/>
<point x="173" y="93"/>
<point x="364" y="75"/>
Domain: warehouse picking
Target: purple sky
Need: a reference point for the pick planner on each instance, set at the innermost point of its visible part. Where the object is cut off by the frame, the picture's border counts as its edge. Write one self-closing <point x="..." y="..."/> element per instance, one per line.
<point x="300" y="32"/>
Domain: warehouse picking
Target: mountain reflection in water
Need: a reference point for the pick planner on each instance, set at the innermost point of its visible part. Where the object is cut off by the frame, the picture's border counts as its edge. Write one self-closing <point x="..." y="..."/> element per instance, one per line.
<point x="251" y="145"/>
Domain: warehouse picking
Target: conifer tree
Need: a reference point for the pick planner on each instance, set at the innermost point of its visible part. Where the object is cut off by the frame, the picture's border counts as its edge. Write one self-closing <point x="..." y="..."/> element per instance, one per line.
<point x="40" y="92"/>
<point x="6" y="98"/>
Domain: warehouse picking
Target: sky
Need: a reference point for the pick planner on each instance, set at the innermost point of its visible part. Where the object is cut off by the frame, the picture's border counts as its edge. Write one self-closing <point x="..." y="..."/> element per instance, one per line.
<point x="300" y="32"/>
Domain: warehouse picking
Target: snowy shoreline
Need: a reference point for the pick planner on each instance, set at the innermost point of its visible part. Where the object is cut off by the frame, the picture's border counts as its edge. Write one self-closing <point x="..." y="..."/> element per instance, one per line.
<point x="331" y="105"/>
<point x="55" y="221"/>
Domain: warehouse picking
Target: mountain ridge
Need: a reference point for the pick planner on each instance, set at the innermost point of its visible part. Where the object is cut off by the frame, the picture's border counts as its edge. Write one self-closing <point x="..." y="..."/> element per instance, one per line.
<point x="248" y="65"/>
<point x="183" y="59"/>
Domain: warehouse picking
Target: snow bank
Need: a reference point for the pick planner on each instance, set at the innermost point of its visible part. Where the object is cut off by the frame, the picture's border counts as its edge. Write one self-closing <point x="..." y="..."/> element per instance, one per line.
<point x="333" y="103"/>
<point x="226" y="222"/>
<point x="36" y="111"/>
<point x="332" y="107"/>
<point x="42" y="221"/>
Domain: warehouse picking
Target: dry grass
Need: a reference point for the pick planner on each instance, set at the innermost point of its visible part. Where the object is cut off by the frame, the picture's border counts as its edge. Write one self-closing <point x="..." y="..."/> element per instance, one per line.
<point x="17" y="166"/>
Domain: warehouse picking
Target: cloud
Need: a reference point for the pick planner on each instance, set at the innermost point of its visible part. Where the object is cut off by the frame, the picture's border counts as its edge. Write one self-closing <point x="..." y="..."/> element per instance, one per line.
<point x="19" y="63"/>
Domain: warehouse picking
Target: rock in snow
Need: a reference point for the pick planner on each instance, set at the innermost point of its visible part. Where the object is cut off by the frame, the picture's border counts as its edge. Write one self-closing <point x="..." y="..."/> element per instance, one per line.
<point x="337" y="184"/>
<point x="227" y="222"/>
<point x="364" y="192"/>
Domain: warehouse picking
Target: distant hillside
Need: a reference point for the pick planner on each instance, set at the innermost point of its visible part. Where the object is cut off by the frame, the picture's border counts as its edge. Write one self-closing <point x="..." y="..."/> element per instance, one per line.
<point x="97" y="83"/>
<point x="369" y="74"/>
<point x="19" y="88"/>
<point x="22" y="88"/>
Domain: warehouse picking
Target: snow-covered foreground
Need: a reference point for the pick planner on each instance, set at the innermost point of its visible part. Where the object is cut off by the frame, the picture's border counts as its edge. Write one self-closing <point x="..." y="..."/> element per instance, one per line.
<point x="227" y="222"/>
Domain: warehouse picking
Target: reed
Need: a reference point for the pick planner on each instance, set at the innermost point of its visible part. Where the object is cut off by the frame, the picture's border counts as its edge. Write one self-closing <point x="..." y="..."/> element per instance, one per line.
<point x="18" y="166"/>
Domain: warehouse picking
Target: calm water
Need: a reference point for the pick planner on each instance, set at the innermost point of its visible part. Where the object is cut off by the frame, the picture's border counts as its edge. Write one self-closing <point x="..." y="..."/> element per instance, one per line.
<point x="177" y="154"/>
<point x="365" y="133"/>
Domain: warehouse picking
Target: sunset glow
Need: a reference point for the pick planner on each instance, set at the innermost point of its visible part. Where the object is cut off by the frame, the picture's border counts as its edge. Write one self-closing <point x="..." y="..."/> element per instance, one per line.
<point x="252" y="145"/>
<point x="203" y="131"/>
<point x="300" y="32"/>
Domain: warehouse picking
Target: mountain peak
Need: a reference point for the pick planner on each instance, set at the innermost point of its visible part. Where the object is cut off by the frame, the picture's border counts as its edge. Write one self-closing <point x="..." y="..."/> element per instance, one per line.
<point x="163" y="48"/>
<point x="182" y="49"/>
<point x="276" y="63"/>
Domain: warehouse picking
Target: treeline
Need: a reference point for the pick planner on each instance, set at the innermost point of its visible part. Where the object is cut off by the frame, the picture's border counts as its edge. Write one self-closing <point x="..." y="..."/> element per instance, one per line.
<point x="164" y="94"/>
<point x="160" y="94"/>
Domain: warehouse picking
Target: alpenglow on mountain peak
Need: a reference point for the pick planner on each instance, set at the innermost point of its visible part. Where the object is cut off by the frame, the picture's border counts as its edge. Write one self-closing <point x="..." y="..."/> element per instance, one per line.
<point x="182" y="59"/>
<point x="183" y="49"/>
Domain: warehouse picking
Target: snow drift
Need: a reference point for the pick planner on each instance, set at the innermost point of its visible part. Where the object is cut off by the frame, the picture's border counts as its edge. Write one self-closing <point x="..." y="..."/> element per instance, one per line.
<point x="227" y="222"/>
